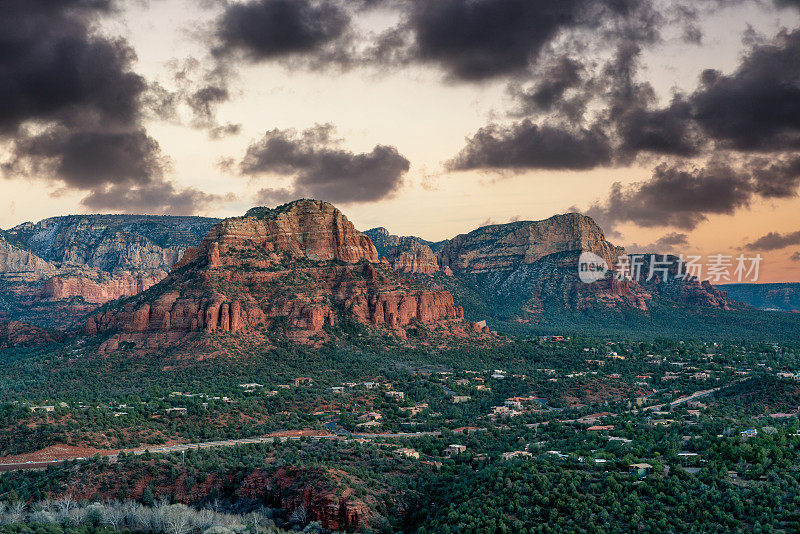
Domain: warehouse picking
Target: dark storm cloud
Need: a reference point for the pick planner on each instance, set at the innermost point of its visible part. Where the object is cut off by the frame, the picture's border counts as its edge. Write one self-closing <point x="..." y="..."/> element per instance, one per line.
<point x="155" y="197"/>
<point x="323" y="170"/>
<point x="774" y="241"/>
<point x="638" y="124"/>
<point x="525" y="145"/>
<point x="267" y="29"/>
<point x="87" y="159"/>
<point x="683" y="196"/>
<point x="776" y="176"/>
<point x="554" y="88"/>
<point x="665" y="243"/>
<point x="203" y="102"/>
<point x="71" y="109"/>
<point x="757" y="107"/>
<point x="480" y="39"/>
<point x="754" y="109"/>
<point x="51" y="68"/>
<point x="677" y="196"/>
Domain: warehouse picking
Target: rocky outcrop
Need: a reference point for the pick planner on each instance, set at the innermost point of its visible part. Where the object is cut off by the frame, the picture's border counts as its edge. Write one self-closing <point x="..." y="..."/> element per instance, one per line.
<point x="16" y="333"/>
<point x="314" y="489"/>
<point x="63" y="265"/>
<point x="413" y="257"/>
<point x="17" y="263"/>
<point x="669" y="281"/>
<point x="385" y="241"/>
<point x="297" y="269"/>
<point x="780" y="296"/>
<point x="101" y="288"/>
<point x="307" y="229"/>
<point x="111" y="243"/>
<point x="506" y="246"/>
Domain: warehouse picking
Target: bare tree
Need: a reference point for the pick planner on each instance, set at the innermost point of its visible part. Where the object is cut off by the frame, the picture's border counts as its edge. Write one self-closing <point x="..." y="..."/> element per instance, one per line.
<point x="15" y="511"/>
<point x="177" y="519"/>
<point x="113" y="515"/>
<point x="66" y="502"/>
<point x="300" y="515"/>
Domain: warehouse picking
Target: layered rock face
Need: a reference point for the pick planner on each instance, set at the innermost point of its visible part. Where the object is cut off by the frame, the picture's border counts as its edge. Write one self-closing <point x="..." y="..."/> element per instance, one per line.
<point x="307" y="229"/>
<point x="413" y="257"/>
<point x="685" y="290"/>
<point x="100" y="289"/>
<point x="92" y="258"/>
<point x="298" y="268"/>
<point x="111" y="243"/>
<point x="17" y="263"/>
<point x="506" y="246"/>
<point x="781" y="296"/>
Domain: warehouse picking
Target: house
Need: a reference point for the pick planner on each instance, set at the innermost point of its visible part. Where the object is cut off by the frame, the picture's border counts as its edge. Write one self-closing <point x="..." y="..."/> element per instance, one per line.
<point x="640" y="470"/>
<point x="749" y="433"/>
<point x="177" y="411"/>
<point x="455" y="450"/>
<point x="337" y="389"/>
<point x="414" y="410"/>
<point x="303" y="380"/>
<point x="250" y="386"/>
<point x="600" y="428"/>
<point x="395" y="395"/>
<point x="558" y="455"/>
<point x="461" y="398"/>
<point x="368" y="424"/>
<point x="461" y="382"/>
<point x="43" y="408"/>
<point x="514" y="404"/>
<point x="370" y="385"/>
<point x="409" y="453"/>
<point x="516" y="454"/>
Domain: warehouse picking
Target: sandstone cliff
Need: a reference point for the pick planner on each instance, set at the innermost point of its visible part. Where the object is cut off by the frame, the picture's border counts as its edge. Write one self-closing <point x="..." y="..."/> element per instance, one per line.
<point x="296" y="269"/>
<point x="20" y="264"/>
<point x="60" y="265"/>
<point x="506" y="246"/>
<point x="413" y="257"/>
<point x="523" y="270"/>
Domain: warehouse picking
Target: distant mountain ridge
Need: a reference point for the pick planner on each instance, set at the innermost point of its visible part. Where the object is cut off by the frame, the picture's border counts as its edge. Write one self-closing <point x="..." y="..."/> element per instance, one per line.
<point x="523" y="272"/>
<point x="778" y="296"/>
<point x="61" y="267"/>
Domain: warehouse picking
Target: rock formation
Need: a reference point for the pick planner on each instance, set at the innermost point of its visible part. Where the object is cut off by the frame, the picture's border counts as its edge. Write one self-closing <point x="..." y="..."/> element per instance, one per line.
<point x="16" y="333"/>
<point x="506" y="246"/>
<point x="413" y="257"/>
<point x="91" y="258"/>
<point x="20" y="264"/>
<point x="298" y="268"/>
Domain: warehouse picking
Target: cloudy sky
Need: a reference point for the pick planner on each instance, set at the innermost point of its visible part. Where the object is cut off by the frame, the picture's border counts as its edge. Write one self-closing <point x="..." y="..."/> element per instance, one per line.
<point x="674" y="123"/>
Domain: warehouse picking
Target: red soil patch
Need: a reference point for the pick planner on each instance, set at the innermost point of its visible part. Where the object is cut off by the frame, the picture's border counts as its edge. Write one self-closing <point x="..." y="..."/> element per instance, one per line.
<point x="54" y="452"/>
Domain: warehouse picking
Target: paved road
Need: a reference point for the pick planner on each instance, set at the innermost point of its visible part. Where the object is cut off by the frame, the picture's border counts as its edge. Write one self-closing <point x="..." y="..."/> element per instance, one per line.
<point x="218" y="443"/>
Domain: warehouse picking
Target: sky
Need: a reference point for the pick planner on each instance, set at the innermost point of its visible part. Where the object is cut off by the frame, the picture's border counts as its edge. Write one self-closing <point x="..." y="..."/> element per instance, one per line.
<point x="674" y="124"/>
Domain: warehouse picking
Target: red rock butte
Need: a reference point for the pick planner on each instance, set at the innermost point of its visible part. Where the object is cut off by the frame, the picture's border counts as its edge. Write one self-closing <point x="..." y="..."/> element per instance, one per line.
<point x="301" y="266"/>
